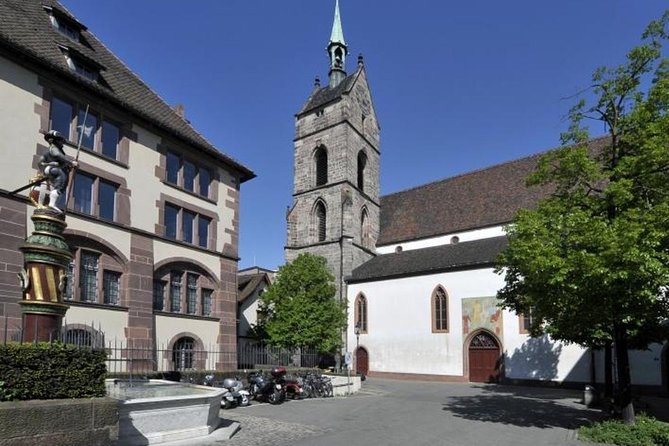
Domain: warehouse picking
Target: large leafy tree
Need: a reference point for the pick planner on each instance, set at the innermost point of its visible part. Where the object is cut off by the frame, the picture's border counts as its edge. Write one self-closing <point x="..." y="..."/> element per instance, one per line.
<point x="300" y="310"/>
<point x="591" y="262"/>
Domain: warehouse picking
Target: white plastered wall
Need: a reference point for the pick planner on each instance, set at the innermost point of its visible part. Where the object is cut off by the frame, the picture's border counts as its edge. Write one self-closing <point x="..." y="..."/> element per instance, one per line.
<point x="112" y="323"/>
<point x="170" y="327"/>
<point x="464" y="236"/>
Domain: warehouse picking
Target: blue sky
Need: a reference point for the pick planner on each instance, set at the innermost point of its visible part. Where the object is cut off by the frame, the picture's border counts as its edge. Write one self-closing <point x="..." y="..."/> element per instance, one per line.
<point x="457" y="85"/>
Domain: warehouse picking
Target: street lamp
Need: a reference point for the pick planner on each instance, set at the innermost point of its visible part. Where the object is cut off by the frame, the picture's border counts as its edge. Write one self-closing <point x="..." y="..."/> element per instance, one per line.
<point x="357" y="334"/>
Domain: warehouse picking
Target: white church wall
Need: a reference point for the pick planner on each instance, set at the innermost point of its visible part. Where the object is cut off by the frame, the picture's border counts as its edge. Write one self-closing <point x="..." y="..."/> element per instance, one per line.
<point x="465" y="236"/>
<point x="400" y="340"/>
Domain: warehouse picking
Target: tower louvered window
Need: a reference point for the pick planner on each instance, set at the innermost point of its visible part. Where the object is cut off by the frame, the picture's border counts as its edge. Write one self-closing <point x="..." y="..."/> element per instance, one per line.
<point x="321" y="221"/>
<point x="321" y="158"/>
<point x="362" y="164"/>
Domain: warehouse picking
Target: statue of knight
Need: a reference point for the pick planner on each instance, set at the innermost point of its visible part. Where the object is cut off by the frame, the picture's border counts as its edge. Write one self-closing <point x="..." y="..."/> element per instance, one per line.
<point x="55" y="168"/>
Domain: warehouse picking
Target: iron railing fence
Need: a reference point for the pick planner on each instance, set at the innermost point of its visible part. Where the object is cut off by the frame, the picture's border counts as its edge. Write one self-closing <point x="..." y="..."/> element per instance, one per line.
<point x="140" y="358"/>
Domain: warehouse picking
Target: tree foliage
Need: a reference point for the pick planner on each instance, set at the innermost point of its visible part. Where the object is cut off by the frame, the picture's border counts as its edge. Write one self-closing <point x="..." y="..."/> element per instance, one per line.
<point x="592" y="260"/>
<point x="300" y="310"/>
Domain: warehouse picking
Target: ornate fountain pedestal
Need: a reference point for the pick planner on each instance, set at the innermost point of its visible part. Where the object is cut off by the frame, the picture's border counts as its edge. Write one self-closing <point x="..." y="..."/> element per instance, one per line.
<point x="44" y="277"/>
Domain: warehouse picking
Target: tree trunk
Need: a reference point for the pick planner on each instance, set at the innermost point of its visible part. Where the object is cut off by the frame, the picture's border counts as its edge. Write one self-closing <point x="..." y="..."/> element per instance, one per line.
<point x="608" y="372"/>
<point x="624" y="378"/>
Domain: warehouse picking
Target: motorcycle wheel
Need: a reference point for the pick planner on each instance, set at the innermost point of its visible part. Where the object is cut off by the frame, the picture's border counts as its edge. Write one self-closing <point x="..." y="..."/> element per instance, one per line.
<point x="226" y="404"/>
<point x="274" y="397"/>
<point x="245" y="401"/>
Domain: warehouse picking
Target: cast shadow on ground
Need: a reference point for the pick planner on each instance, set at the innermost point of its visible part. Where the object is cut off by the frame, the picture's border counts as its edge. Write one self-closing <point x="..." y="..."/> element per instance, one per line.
<point x="526" y="407"/>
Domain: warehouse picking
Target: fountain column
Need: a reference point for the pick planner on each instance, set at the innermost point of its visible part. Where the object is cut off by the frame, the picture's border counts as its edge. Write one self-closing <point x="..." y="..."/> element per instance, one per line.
<point x="44" y="277"/>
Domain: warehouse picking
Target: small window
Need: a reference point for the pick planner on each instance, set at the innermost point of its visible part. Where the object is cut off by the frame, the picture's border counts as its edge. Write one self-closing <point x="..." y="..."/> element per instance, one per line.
<point x="171" y="215"/>
<point x="158" y="295"/>
<point x="321" y="159"/>
<point x="455" y="239"/>
<point x="204" y="180"/>
<point x="191" y="293"/>
<point x="365" y="236"/>
<point x="173" y="165"/>
<point x="61" y="116"/>
<point x="362" y="164"/>
<point x="321" y="221"/>
<point x="107" y="200"/>
<point x="526" y="321"/>
<point x="65" y="28"/>
<point x="206" y="302"/>
<point x="175" y="291"/>
<point x="83" y="193"/>
<point x="88" y="276"/>
<point x="203" y="231"/>
<point x="189" y="176"/>
<point x="111" y="286"/>
<point x="439" y="311"/>
<point x="188" y="221"/>
<point x="361" y="314"/>
<point x="110" y="139"/>
<point x="398" y="248"/>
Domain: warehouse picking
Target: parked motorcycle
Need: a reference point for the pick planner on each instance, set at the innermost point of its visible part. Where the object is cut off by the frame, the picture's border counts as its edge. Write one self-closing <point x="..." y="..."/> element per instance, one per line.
<point x="294" y="389"/>
<point x="268" y="388"/>
<point x="235" y="395"/>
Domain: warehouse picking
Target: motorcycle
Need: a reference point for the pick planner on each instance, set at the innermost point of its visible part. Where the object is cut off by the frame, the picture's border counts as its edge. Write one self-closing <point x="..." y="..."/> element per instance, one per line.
<point x="294" y="388"/>
<point x="234" y="396"/>
<point x="268" y="388"/>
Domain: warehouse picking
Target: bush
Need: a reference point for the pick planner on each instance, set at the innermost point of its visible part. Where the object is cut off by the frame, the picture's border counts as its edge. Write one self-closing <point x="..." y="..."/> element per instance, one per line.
<point x="44" y="371"/>
<point x="647" y="431"/>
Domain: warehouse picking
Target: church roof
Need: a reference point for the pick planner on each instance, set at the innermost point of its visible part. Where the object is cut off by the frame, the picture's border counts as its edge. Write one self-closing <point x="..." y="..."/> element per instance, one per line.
<point x="465" y="255"/>
<point x="26" y="31"/>
<point x="478" y="199"/>
<point x="324" y="95"/>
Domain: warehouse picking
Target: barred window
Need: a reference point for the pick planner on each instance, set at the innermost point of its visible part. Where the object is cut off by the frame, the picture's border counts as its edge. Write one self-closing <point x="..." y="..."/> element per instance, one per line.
<point x="158" y="295"/>
<point x="440" y="310"/>
<point x="206" y="302"/>
<point x="111" y="282"/>
<point x="191" y="293"/>
<point x="175" y="292"/>
<point x="88" y="280"/>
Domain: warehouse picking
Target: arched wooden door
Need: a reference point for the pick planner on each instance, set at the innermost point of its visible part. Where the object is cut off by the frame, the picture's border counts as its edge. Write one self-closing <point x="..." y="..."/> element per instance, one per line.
<point x="484" y="356"/>
<point x="361" y="361"/>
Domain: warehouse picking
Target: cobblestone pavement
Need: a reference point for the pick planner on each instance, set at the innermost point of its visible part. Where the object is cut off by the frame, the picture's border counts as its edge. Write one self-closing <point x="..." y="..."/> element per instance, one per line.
<point x="400" y="413"/>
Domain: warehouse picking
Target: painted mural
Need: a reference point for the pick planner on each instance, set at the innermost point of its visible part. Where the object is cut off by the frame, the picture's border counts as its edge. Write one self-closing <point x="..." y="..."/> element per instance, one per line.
<point x="481" y="312"/>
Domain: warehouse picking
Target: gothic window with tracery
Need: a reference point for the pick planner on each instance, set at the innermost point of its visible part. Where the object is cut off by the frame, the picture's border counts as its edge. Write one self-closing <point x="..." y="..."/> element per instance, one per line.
<point x="321" y="221"/>
<point x="361" y="313"/>
<point x="439" y="311"/>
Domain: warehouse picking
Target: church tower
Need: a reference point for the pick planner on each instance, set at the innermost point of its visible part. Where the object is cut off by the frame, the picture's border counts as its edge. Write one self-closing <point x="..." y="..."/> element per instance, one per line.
<point x="335" y="212"/>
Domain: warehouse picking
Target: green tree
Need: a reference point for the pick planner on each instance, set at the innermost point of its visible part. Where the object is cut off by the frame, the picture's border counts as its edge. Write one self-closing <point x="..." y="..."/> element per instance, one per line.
<point x="299" y="309"/>
<point x="592" y="260"/>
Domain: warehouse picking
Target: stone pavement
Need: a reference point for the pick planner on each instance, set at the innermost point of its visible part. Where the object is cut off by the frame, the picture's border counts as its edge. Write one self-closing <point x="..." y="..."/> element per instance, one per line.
<point x="399" y="413"/>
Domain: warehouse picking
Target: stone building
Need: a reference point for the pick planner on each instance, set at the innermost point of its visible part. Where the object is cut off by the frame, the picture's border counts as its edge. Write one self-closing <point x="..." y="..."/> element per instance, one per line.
<point x="418" y="265"/>
<point x="153" y="217"/>
<point x="335" y="211"/>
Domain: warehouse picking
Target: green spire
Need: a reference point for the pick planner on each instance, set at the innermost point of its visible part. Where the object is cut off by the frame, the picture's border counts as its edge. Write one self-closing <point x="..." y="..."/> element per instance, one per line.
<point x="337" y="35"/>
<point x="337" y="51"/>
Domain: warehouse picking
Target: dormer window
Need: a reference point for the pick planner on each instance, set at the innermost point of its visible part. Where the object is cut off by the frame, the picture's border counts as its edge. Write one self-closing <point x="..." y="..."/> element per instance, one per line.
<point x="65" y="25"/>
<point x="80" y="65"/>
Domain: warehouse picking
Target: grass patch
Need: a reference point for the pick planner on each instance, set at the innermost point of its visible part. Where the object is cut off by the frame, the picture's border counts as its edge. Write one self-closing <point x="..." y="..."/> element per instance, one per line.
<point x="647" y="431"/>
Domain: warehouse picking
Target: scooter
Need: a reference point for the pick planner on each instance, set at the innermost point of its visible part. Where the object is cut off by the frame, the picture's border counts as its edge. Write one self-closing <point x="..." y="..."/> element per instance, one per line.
<point x="270" y="389"/>
<point x="234" y="394"/>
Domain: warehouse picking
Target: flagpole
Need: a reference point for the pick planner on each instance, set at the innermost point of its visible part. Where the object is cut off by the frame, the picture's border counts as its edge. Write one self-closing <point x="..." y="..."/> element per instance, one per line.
<point x="70" y="182"/>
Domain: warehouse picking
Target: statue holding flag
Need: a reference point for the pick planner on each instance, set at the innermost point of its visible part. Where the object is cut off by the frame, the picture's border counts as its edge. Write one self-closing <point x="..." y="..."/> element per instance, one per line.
<point x="55" y="167"/>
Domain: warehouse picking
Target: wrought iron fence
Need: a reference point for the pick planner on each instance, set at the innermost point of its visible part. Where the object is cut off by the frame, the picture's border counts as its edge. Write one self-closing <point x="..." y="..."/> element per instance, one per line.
<point x="140" y="358"/>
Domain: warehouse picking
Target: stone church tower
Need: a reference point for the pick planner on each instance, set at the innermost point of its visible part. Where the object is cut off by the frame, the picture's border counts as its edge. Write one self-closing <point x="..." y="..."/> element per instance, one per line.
<point x="335" y="212"/>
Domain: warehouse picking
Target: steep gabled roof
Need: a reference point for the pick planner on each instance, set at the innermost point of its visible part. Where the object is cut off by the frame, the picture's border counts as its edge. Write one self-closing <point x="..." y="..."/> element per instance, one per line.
<point x="466" y="255"/>
<point x="482" y="198"/>
<point x="25" y="29"/>
<point x="324" y="95"/>
<point x="248" y="283"/>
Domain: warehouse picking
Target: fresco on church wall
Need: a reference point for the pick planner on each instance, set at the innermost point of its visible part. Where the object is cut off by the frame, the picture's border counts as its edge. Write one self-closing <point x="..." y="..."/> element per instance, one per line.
<point x="481" y="312"/>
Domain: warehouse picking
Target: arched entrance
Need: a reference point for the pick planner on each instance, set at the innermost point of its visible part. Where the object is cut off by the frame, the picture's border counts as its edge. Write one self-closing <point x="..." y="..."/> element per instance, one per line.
<point x="484" y="353"/>
<point x="361" y="361"/>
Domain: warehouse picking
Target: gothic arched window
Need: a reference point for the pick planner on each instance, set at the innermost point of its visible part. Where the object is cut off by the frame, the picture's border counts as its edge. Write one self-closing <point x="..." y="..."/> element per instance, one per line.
<point x="439" y="310"/>
<point x="321" y="160"/>
<point x="362" y="164"/>
<point x="361" y="314"/>
<point x="365" y="235"/>
<point x="321" y="221"/>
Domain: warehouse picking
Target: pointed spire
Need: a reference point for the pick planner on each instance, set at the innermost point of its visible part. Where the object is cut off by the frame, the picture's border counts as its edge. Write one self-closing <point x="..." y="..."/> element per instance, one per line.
<point x="337" y="35"/>
<point x="337" y="51"/>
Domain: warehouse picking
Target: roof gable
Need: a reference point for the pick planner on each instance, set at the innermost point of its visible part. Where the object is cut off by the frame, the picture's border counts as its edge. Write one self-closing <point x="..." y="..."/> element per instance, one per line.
<point x="25" y="28"/>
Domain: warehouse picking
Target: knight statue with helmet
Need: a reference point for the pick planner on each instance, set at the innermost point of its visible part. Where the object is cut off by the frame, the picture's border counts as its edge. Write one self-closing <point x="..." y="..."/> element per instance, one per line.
<point x="55" y="168"/>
